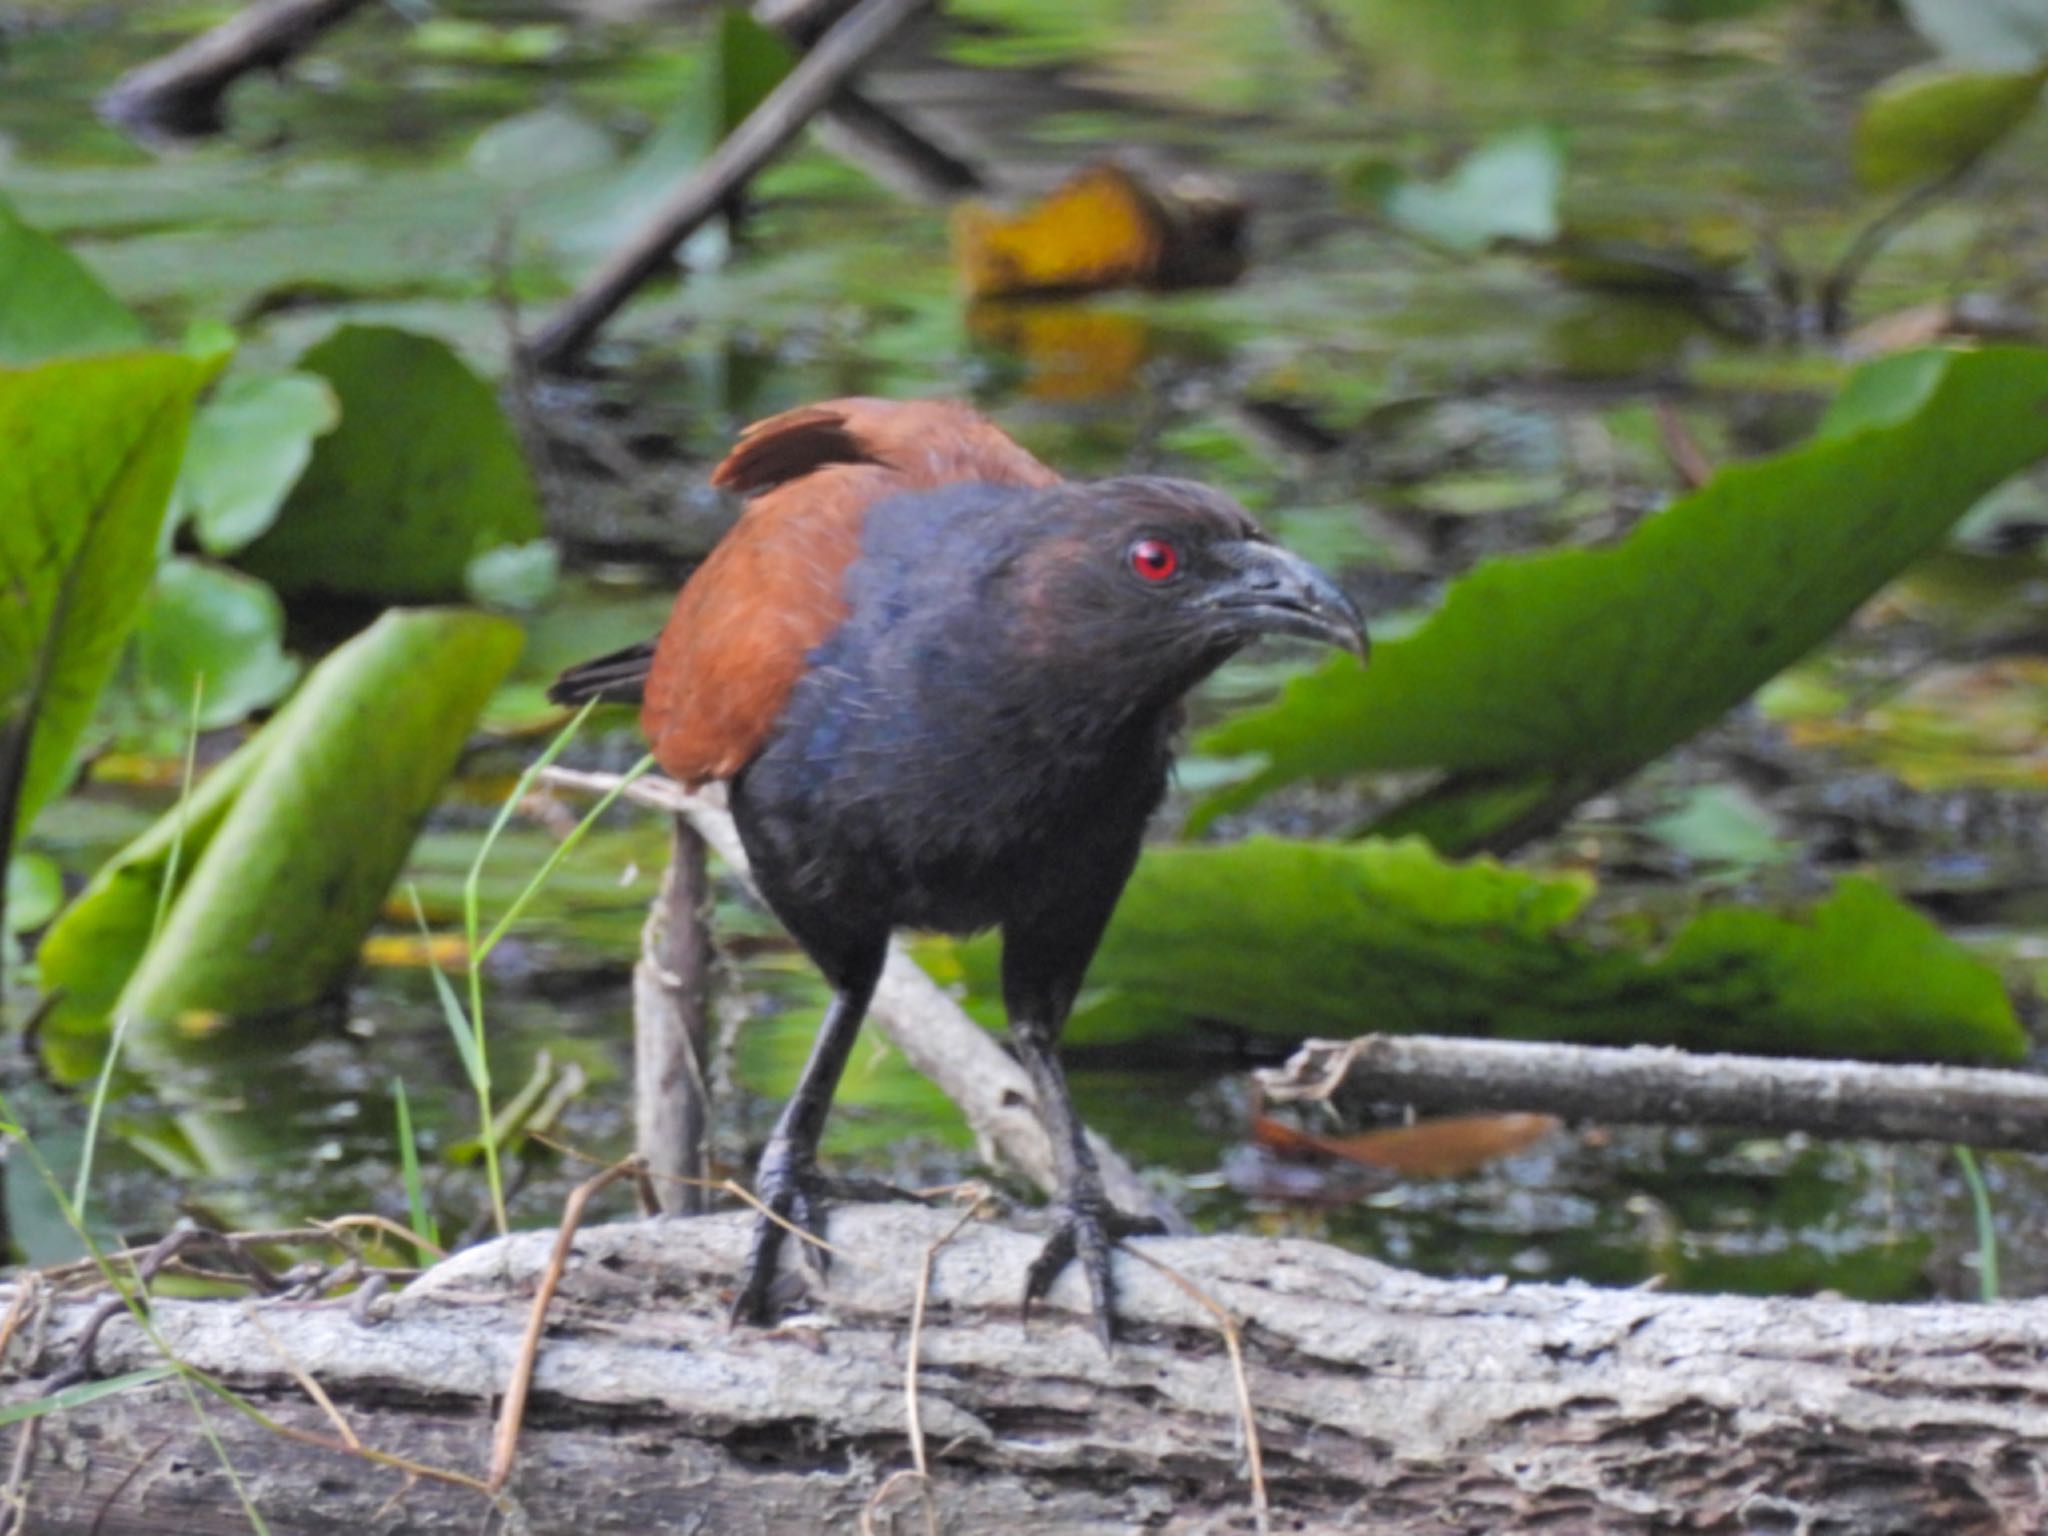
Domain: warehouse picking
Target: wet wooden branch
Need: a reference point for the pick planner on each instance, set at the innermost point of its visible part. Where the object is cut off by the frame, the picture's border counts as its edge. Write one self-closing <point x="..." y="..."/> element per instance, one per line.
<point x="817" y="77"/>
<point x="1657" y="1086"/>
<point x="1384" y="1401"/>
<point x="917" y="1017"/>
<point x="179" y="95"/>
<point x="671" y="1028"/>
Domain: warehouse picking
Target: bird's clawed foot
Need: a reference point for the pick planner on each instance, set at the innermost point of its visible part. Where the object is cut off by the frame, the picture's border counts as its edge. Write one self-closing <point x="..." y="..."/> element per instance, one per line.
<point x="1088" y="1227"/>
<point x="790" y="1188"/>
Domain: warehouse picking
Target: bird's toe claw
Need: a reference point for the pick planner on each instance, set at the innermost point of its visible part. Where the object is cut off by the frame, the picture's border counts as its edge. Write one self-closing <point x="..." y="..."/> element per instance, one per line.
<point x="792" y="1195"/>
<point x="1086" y="1230"/>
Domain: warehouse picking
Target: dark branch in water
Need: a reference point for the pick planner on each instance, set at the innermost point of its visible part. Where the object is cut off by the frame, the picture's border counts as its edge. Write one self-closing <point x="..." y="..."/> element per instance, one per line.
<point x="179" y="95"/>
<point x="1659" y="1086"/>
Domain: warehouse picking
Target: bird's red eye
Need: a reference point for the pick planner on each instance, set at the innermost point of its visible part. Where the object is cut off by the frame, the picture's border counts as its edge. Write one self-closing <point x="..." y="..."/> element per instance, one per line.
<point x="1154" y="559"/>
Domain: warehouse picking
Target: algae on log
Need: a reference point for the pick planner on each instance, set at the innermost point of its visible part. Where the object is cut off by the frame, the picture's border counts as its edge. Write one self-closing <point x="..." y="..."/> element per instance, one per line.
<point x="1383" y="1399"/>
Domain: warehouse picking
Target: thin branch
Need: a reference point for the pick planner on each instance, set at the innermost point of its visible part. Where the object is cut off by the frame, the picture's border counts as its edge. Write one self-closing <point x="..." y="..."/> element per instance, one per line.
<point x="1659" y="1086"/>
<point x="505" y="1443"/>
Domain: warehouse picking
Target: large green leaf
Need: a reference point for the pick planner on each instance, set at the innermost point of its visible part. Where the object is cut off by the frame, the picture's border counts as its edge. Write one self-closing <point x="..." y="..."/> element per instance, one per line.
<point x="1545" y="677"/>
<point x="92" y="447"/>
<point x="96" y="943"/>
<point x="50" y="305"/>
<point x="1293" y="939"/>
<point x="423" y="475"/>
<point x="291" y="857"/>
<point x="1934" y="119"/>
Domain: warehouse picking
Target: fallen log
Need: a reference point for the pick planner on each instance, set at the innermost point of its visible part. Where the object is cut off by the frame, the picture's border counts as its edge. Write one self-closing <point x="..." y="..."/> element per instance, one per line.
<point x="1383" y="1401"/>
<point x="1657" y="1085"/>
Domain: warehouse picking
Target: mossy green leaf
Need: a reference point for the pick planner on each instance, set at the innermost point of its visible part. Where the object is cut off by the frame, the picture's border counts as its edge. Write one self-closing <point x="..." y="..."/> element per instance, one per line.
<point x="92" y="447"/>
<point x="1934" y="119"/>
<point x="297" y="864"/>
<point x="1544" y="677"/>
<point x="1290" y="939"/>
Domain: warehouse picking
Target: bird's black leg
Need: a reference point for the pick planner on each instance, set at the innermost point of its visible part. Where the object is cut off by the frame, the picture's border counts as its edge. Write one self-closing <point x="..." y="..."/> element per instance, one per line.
<point x="787" y="1180"/>
<point x="1043" y="964"/>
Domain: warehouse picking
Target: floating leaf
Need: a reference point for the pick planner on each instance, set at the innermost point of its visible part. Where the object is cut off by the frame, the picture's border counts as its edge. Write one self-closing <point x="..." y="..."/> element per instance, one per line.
<point x="50" y="304"/>
<point x="547" y="144"/>
<point x="35" y="889"/>
<point x="1543" y="678"/>
<point x="92" y="449"/>
<point x="1292" y="939"/>
<point x="1507" y="189"/>
<point x="287" y="875"/>
<point x="1098" y="230"/>
<point x="423" y="475"/>
<point x="1722" y="824"/>
<point x="522" y="577"/>
<point x="1934" y="119"/>
<point x="214" y="635"/>
<point x="1444" y="1147"/>
<point x="250" y="443"/>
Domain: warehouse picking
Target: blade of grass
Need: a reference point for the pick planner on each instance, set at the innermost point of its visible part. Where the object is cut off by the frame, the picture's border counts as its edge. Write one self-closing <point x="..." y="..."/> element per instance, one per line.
<point x="85" y="1392"/>
<point x="422" y="1218"/>
<point x="82" y="1189"/>
<point x="471" y="1039"/>
<point x="1987" y="1231"/>
<point x="476" y="1062"/>
<point x="562" y="850"/>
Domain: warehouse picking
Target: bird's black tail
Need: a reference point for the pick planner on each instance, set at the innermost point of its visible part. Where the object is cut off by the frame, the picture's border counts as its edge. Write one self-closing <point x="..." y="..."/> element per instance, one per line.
<point x="614" y="679"/>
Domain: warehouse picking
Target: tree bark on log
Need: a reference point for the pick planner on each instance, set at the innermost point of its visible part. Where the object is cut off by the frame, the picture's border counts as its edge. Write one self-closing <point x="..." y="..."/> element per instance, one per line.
<point x="1384" y="1401"/>
<point x="1657" y="1085"/>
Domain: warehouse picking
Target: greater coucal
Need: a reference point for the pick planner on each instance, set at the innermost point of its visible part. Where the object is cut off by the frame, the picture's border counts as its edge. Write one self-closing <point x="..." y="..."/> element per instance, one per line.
<point x="943" y="684"/>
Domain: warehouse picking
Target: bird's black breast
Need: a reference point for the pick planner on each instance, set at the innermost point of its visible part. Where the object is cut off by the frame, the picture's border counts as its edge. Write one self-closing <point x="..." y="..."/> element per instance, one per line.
<point x="926" y="772"/>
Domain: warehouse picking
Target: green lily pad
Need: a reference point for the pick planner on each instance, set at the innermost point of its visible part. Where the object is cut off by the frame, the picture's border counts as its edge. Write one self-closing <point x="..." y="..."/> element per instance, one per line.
<point x="1542" y="679"/>
<point x="423" y="475"/>
<point x="1291" y="939"/>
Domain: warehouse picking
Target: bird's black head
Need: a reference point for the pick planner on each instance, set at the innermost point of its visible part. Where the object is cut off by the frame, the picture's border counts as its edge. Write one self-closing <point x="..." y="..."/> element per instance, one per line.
<point x="1168" y="578"/>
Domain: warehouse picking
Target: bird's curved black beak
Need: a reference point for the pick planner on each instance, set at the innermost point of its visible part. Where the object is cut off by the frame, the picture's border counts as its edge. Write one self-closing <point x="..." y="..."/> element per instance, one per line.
<point x="1267" y="590"/>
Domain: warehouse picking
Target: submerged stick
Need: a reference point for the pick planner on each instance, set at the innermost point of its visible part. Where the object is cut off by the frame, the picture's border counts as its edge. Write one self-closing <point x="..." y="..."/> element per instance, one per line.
<point x="781" y="115"/>
<point x="179" y="95"/>
<point x="916" y="1016"/>
<point x="671" y="1035"/>
<point x="1654" y="1085"/>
